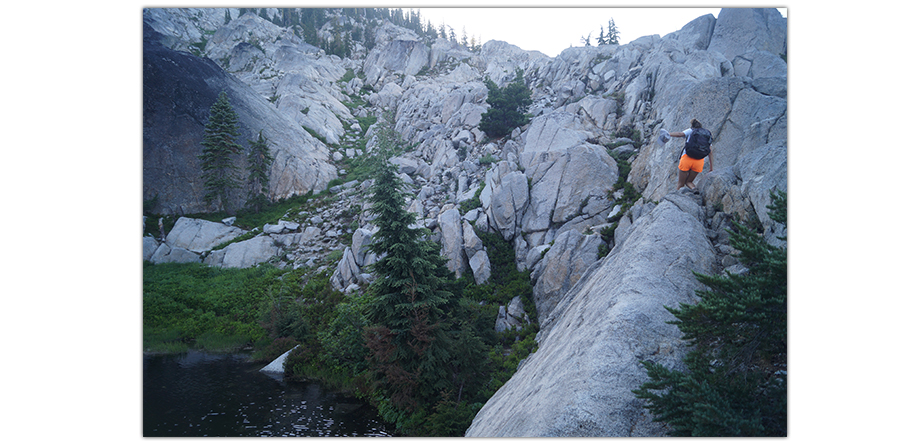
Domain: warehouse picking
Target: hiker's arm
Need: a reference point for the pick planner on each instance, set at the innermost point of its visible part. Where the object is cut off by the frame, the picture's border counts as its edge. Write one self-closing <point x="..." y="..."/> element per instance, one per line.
<point x="710" y="161"/>
<point x="677" y="134"/>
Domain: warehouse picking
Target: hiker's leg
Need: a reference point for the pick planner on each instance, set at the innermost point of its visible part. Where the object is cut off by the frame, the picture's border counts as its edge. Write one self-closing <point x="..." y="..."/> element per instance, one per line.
<point x="684" y="166"/>
<point x="696" y="166"/>
<point x="689" y="179"/>
<point x="682" y="179"/>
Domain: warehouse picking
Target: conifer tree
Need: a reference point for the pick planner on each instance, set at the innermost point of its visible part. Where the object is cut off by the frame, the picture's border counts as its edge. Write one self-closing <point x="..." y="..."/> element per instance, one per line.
<point x="736" y="378"/>
<point x="508" y="106"/>
<point x="612" y="33"/>
<point x="219" y="148"/>
<point x="409" y="344"/>
<point x="259" y="162"/>
<point x="601" y="39"/>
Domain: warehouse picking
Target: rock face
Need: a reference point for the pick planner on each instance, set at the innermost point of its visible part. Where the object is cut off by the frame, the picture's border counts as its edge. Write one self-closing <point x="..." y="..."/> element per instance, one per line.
<point x="200" y="235"/>
<point x="166" y="253"/>
<point x="511" y="316"/>
<point x="562" y="266"/>
<point x="736" y="87"/>
<point x="179" y="89"/>
<point x="579" y="381"/>
<point x="244" y="254"/>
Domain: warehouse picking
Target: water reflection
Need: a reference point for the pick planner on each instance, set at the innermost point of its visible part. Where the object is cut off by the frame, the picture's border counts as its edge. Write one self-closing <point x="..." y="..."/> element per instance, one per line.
<point x="203" y="394"/>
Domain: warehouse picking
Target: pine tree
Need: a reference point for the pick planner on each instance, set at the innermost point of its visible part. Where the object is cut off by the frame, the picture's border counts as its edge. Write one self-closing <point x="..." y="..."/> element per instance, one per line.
<point x="586" y="40"/>
<point x="259" y="162"/>
<point x="508" y="106"/>
<point x="601" y="39"/>
<point x="219" y="146"/>
<point x="612" y="33"/>
<point x="451" y="35"/>
<point x="410" y="300"/>
<point x="736" y="378"/>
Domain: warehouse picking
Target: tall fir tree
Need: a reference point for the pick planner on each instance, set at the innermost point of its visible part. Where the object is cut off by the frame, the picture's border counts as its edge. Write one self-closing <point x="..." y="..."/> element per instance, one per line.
<point x="736" y="378"/>
<point x="612" y="33"/>
<point x="259" y="163"/>
<point x="409" y="300"/>
<point x="423" y="353"/>
<point x="217" y="158"/>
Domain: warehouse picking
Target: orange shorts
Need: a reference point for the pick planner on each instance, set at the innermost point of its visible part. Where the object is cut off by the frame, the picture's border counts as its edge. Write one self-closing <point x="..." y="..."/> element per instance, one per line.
<point x="688" y="164"/>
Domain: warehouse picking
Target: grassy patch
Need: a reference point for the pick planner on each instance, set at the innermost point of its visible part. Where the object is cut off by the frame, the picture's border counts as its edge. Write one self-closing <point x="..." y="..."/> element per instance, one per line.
<point x="313" y="133"/>
<point x="630" y="195"/>
<point x="348" y="76"/>
<point x="366" y="122"/>
<point x="204" y="307"/>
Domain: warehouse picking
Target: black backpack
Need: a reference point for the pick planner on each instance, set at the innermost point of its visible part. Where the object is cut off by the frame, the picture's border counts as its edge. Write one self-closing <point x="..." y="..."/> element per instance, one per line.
<point x="697" y="146"/>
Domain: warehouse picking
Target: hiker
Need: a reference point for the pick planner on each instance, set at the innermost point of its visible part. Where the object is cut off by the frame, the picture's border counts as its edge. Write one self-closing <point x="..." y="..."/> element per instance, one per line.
<point x="691" y="163"/>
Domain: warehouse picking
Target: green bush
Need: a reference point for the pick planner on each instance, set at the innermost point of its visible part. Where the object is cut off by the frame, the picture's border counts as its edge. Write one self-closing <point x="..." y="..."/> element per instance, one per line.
<point x="508" y="107"/>
<point x="450" y="418"/>
<point x="196" y="300"/>
<point x="487" y="159"/>
<point x="736" y="378"/>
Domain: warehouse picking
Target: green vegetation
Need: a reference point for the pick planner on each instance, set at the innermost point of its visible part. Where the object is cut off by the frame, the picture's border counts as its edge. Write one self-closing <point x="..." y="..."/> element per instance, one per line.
<point x="348" y="76"/>
<point x="271" y="310"/>
<point x="612" y="33"/>
<point x="619" y="97"/>
<point x="630" y="195"/>
<point x="389" y="143"/>
<point x="259" y="163"/>
<point x="366" y="122"/>
<point x="736" y="378"/>
<point x="418" y="344"/>
<point x="411" y="311"/>
<point x="487" y="159"/>
<point x="219" y="148"/>
<point x="198" y="48"/>
<point x="609" y="37"/>
<point x="629" y="132"/>
<point x="203" y="307"/>
<point x="313" y="133"/>
<point x="473" y="203"/>
<point x="508" y="106"/>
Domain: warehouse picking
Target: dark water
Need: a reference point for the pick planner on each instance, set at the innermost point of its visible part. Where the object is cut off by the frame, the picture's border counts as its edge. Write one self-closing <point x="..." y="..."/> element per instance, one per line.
<point x="203" y="394"/>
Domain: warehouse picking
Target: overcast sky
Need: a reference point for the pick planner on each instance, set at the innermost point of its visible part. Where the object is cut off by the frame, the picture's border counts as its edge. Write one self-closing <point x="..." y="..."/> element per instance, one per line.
<point x="551" y="30"/>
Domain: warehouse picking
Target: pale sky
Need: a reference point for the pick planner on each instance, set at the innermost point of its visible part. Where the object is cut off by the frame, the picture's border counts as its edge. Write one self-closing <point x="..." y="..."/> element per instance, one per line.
<point x="551" y="30"/>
